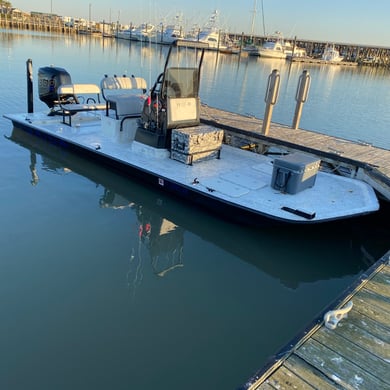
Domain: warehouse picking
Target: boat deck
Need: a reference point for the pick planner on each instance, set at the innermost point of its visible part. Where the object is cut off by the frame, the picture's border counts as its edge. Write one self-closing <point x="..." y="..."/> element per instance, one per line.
<point x="354" y="355"/>
<point x="374" y="161"/>
<point x="239" y="179"/>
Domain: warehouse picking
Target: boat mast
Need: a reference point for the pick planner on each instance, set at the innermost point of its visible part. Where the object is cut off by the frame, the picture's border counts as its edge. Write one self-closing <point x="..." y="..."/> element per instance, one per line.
<point x="254" y="12"/>
<point x="253" y="18"/>
<point x="262" y="13"/>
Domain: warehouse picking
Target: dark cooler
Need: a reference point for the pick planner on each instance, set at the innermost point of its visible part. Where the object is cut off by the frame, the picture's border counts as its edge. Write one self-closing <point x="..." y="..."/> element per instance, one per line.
<point x="294" y="172"/>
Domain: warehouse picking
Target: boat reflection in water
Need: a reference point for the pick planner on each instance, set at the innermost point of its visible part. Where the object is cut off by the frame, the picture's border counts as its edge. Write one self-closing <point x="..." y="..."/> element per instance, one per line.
<point x="139" y="279"/>
<point x="291" y="255"/>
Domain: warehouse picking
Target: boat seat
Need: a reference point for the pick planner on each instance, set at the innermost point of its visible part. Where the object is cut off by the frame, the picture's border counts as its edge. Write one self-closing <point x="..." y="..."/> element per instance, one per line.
<point x="74" y="98"/>
<point x="124" y="95"/>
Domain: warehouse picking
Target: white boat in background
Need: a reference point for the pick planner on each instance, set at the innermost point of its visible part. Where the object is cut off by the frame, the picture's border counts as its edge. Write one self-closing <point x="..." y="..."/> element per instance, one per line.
<point x="146" y="32"/>
<point x="211" y="34"/>
<point x="293" y="51"/>
<point x="276" y="47"/>
<point x="127" y="33"/>
<point x="273" y="47"/>
<point x="331" y="54"/>
<point x="172" y="32"/>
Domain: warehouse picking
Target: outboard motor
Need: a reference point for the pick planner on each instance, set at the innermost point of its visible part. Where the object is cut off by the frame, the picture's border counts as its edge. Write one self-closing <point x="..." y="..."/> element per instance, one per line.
<point x="49" y="79"/>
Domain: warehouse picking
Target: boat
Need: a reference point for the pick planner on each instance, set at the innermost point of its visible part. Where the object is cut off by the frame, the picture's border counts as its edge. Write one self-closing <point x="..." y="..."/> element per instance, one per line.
<point x="126" y="33"/>
<point x="331" y="54"/>
<point x="212" y="35"/>
<point x="231" y="48"/>
<point x="293" y="51"/>
<point x="273" y="47"/>
<point x="161" y="141"/>
<point x="146" y="32"/>
<point x="172" y="32"/>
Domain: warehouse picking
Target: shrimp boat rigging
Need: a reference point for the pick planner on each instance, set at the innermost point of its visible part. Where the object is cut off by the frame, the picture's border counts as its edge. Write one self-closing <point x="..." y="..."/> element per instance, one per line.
<point x="160" y="139"/>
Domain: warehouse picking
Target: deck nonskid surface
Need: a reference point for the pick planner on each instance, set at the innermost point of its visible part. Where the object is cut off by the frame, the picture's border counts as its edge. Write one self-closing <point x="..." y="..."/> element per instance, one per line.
<point x="239" y="176"/>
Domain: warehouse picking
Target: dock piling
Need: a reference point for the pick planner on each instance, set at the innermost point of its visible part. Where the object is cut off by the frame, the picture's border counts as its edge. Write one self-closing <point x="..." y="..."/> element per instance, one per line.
<point x="301" y="96"/>
<point x="271" y="96"/>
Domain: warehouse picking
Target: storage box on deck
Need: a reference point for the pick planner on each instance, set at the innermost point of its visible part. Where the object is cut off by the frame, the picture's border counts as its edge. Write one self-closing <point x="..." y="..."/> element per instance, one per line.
<point x="294" y="172"/>
<point x="196" y="143"/>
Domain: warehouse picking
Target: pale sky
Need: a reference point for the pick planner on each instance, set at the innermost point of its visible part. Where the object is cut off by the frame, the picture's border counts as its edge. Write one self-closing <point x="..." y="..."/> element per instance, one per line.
<point x="347" y="21"/>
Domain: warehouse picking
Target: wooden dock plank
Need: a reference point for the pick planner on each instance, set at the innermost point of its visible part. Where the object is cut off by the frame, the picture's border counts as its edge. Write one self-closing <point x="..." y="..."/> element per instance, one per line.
<point x="381" y="283"/>
<point x="285" y="379"/>
<point x="354" y="352"/>
<point x="375" y="327"/>
<point x="354" y="355"/>
<point x="364" y="306"/>
<point x="337" y="368"/>
<point x="311" y="375"/>
<point x="329" y="148"/>
<point x="364" y="339"/>
<point x="371" y="298"/>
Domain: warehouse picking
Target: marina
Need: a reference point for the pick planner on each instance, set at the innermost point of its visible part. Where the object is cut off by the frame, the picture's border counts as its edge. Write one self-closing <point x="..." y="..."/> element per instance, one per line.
<point x="351" y="352"/>
<point x="315" y="261"/>
<point x="353" y="53"/>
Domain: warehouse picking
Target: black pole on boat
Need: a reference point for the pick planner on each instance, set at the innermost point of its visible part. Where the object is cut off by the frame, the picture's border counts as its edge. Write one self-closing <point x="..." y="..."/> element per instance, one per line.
<point x="30" y="98"/>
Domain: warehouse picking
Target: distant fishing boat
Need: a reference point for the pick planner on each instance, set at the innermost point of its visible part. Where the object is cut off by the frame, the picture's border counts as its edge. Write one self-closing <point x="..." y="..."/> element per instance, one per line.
<point x="331" y="54"/>
<point x="172" y="32"/>
<point x="212" y="35"/>
<point x="145" y="32"/>
<point x="273" y="47"/>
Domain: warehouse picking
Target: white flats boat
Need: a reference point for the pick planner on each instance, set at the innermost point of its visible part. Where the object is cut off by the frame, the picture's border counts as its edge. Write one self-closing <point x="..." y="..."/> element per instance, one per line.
<point x="159" y="139"/>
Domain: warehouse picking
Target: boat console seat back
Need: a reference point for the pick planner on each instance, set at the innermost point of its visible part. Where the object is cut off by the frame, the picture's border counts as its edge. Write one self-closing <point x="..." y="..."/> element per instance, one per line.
<point x="124" y="95"/>
<point x="180" y="89"/>
<point x="74" y="98"/>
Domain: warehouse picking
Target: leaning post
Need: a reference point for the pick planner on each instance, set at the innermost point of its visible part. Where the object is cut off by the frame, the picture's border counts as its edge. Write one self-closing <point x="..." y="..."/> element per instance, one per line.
<point x="30" y="96"/>
<point x="301" y="97"/>
<point x="271" y="96"/>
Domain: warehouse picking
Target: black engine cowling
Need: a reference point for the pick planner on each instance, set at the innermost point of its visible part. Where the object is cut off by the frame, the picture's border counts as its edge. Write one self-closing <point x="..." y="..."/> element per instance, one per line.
<point x="49" y="79"/>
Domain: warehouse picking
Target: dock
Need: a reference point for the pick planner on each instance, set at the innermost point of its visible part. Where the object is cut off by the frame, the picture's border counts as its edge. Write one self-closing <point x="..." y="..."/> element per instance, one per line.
<point x="353" y="355"/>
<point x="310" y="60"/>
<point x="353" y="159"/>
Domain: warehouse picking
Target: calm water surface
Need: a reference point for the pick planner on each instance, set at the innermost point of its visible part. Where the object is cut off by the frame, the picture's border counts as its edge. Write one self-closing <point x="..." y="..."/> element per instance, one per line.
<point x="105" y="283"/>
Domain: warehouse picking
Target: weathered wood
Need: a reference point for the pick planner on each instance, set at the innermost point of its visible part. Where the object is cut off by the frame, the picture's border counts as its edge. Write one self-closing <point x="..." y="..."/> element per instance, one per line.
<point x="337" y="368"/>
<point x="362" y="357"/>
<point x="374" y="327"/>
<point x="364" y="305"/>
<point x="355" y="355"/>
<point x="381" y="283"/>
<point x="311" y="375"/>
<point x="285" y="379"/>
<point x="364" y="339"/>
<point x="375" y="161"/>
<point x="372" y="299"/>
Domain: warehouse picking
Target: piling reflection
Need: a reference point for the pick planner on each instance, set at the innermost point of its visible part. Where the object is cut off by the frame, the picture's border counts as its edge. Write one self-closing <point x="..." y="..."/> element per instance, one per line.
<point x="293" y="255"/>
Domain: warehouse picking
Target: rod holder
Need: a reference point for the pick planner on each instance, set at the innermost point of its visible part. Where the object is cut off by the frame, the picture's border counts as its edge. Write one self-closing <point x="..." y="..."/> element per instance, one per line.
<point x="271" y="97"/>
<point x="301" y="96"/>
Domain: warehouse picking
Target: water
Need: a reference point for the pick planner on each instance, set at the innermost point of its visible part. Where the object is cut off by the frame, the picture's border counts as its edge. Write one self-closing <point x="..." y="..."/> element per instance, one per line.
<point x="105" y="283"/>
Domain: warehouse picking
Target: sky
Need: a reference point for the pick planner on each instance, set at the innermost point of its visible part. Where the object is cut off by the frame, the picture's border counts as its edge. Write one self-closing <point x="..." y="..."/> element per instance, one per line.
<point x="340" y="21"/>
